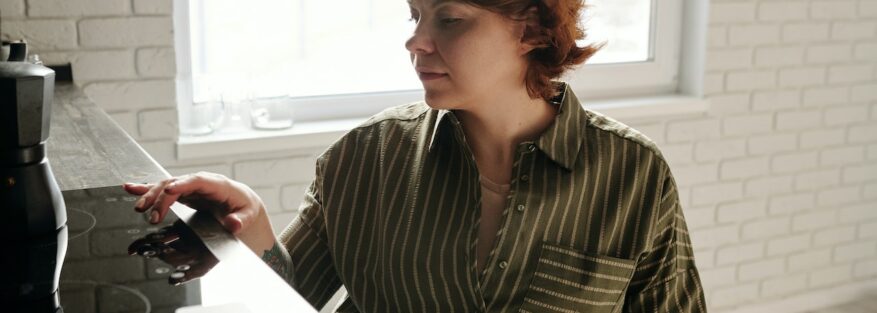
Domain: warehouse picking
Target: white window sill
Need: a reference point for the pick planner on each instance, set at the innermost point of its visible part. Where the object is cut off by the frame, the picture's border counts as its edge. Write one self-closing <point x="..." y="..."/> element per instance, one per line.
<point x="320" y="134"/>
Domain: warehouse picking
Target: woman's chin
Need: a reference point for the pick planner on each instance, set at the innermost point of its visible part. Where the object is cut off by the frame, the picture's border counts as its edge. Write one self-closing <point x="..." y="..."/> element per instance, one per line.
<point x="437" y="100"/>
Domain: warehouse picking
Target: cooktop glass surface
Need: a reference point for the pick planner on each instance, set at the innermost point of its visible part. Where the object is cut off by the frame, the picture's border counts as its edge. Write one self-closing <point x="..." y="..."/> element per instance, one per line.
<point x="104" y="272"/>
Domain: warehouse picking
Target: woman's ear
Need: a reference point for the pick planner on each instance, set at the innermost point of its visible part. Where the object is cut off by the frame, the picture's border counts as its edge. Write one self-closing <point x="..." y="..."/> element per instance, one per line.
<point x="529" y="31"/>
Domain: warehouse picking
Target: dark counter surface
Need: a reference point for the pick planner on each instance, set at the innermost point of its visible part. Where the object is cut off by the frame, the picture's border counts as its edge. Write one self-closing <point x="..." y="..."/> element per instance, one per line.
<point x="89" y="153"/>
<point x="87" y="149"/>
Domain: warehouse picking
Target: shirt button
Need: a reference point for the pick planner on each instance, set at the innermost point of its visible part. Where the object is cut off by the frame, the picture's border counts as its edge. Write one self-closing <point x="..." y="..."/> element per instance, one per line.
<point x="521" y="208"/>
<point x="525" y="178"/>
<point x="503" y="264"/>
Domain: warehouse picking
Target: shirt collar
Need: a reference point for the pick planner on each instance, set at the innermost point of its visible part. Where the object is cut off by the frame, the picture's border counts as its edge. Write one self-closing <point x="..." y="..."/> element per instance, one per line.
<point x="561" y="141"/>
<point x="442" y="117"/>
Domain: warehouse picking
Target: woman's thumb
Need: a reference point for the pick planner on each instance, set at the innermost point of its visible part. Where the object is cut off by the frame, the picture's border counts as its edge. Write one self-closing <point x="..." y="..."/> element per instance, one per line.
<point x="232" y="223"/>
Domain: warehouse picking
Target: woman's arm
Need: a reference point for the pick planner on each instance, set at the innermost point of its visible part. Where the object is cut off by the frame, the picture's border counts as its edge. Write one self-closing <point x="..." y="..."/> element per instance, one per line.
<point x="279" y="260"/>
<point x="666" y="279"/>
<point x="301" y="253"/>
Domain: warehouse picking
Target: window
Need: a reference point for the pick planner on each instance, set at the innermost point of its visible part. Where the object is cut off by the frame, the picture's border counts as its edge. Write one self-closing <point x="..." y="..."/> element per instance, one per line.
<point x="328" y="64"/>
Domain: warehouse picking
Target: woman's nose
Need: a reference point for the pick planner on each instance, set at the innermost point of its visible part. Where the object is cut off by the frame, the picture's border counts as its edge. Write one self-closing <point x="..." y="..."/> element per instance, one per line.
<point x="420" y="41"/>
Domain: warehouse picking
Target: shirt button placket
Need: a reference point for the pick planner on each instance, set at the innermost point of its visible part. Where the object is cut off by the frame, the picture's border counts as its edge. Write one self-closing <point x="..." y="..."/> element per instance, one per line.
<point x="525" y="177"/>
<point x="530" y="148"/>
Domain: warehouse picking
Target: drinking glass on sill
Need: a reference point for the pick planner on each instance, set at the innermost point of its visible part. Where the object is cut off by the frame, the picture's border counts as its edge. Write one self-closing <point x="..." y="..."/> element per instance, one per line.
<point x="272" y="113"/>
<point x="236" y="101"/>
<point x="207" y="115"/>
<point x="204" y="118"/>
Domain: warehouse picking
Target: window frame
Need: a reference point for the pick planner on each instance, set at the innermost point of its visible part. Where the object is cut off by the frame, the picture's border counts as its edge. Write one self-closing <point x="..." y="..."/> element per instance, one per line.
<point x="658" y="75"/>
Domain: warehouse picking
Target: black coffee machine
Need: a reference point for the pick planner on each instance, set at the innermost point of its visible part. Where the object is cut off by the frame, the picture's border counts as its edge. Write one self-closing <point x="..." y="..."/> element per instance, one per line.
<point x="33" y="218"/>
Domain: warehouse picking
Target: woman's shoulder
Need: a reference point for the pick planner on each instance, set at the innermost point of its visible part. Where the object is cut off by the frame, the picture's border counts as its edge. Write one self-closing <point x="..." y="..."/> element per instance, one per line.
<point x="402" y="118"/>
<point x="599" y="124"/>
<point x="397" y="113"/>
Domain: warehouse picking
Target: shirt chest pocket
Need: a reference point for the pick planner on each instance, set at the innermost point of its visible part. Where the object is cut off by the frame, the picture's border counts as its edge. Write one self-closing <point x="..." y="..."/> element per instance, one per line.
<point x="570" y="280"/>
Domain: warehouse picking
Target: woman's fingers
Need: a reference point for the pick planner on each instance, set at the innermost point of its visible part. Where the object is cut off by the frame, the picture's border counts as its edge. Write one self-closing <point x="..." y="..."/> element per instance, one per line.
<point x="136" y="189"/>
<point x="148" y="198"/>
<point x="233" y="204"/>
<point x="232" y="222"/>
<point x="206" y="188"/>
<point x="208" y="185"/>
<point x="161" y="205"/>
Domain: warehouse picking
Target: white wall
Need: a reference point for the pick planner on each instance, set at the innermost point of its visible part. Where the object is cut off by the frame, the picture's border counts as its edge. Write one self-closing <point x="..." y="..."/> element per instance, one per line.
<point x="778" y="179"/>
<point x="782" y="173"/>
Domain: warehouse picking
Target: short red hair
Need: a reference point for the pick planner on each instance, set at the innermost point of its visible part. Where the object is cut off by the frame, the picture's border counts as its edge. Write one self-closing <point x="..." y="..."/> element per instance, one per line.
<point x="553" y="26"/>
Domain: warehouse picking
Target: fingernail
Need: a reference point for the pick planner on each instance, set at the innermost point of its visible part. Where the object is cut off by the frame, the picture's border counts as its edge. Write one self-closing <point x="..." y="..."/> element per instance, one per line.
<point x="140" y="202"/>
<point x="153" y="217"/>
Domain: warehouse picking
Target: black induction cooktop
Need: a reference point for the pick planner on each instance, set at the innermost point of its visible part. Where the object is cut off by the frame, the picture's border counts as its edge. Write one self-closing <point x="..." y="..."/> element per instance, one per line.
<point x="99" y="273"/>
<point x="117" y="262"/>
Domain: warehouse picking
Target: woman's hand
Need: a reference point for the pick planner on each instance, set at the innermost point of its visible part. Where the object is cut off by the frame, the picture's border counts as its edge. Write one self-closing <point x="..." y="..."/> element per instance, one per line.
<point x="237" y="207"/>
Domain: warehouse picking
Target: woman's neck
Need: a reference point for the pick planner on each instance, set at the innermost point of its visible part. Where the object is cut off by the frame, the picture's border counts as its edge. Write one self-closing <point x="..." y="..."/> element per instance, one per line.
<point x="494" y="128"/>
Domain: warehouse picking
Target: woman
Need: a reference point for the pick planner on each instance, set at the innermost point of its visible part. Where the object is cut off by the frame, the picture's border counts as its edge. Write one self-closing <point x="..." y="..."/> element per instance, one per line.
<point x="498" y="193"/>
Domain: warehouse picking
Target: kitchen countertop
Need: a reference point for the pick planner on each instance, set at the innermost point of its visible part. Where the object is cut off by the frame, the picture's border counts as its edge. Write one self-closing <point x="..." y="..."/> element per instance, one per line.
<point x="87" y="149"/>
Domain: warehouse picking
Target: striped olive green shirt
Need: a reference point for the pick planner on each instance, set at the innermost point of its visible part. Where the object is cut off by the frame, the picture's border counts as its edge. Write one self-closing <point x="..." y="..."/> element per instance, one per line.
<point x="592" y="222"/>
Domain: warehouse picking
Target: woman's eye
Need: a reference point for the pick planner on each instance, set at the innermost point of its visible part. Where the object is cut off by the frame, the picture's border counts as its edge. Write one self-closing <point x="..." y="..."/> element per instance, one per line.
<point x="414" y="15"/>
<point x="450" y="20"/>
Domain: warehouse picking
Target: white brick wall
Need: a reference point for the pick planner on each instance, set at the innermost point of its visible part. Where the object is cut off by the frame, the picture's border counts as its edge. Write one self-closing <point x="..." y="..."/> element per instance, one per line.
<point x="751" y="34"/>
<point x="156" y="62"/>
<point x="768" y="185"/>
<point x="157" y="124"/>
<point x="766" y="227"/>
<point x="68" y="8"/>
<point x="812" y="89"/>
<point x="864" y="92"/>
<point x="785" y="245"/>
<point x="739" y="253"/>
<point x="126" y="31"/>
<point x="744" y="168"/>
<point x="748" y="124"/>
<point x="777" y="56"/>
<point x="770" y="144"/>
<point x="781" y="286"/>
<point x="274" y="171"/>
<point x="833" y="9"/>
<point x="823" y="96"/>
<point x="12" y="8"/>
<point x="104" y="65"/>
<point x="778" y="180"/>
<point x="133" y="94"/>
<point x="831" y="276"/>
<point x="153" y="7"/>
<point x="729" y="104"/>
<point x="751" y="80"/>
<point x="829" y="53"/>
<point x="783" y="11"/>
<point x="121" y="52"/>
<point x="43" y="34"/>
<point x="804" y="32"/>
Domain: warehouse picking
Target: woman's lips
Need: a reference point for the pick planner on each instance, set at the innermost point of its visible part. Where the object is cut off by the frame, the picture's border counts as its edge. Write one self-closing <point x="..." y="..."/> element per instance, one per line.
<point x="424" y="76"/>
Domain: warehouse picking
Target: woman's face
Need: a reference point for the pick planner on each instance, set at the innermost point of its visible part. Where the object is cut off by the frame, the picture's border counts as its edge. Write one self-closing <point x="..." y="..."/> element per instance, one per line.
<point x="464" y="54"/>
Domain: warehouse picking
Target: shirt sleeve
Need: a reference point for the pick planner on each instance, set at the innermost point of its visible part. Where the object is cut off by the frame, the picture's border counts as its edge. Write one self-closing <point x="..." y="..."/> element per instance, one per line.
<point x="666" y="279"/>
<point x="313" y="272"/>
